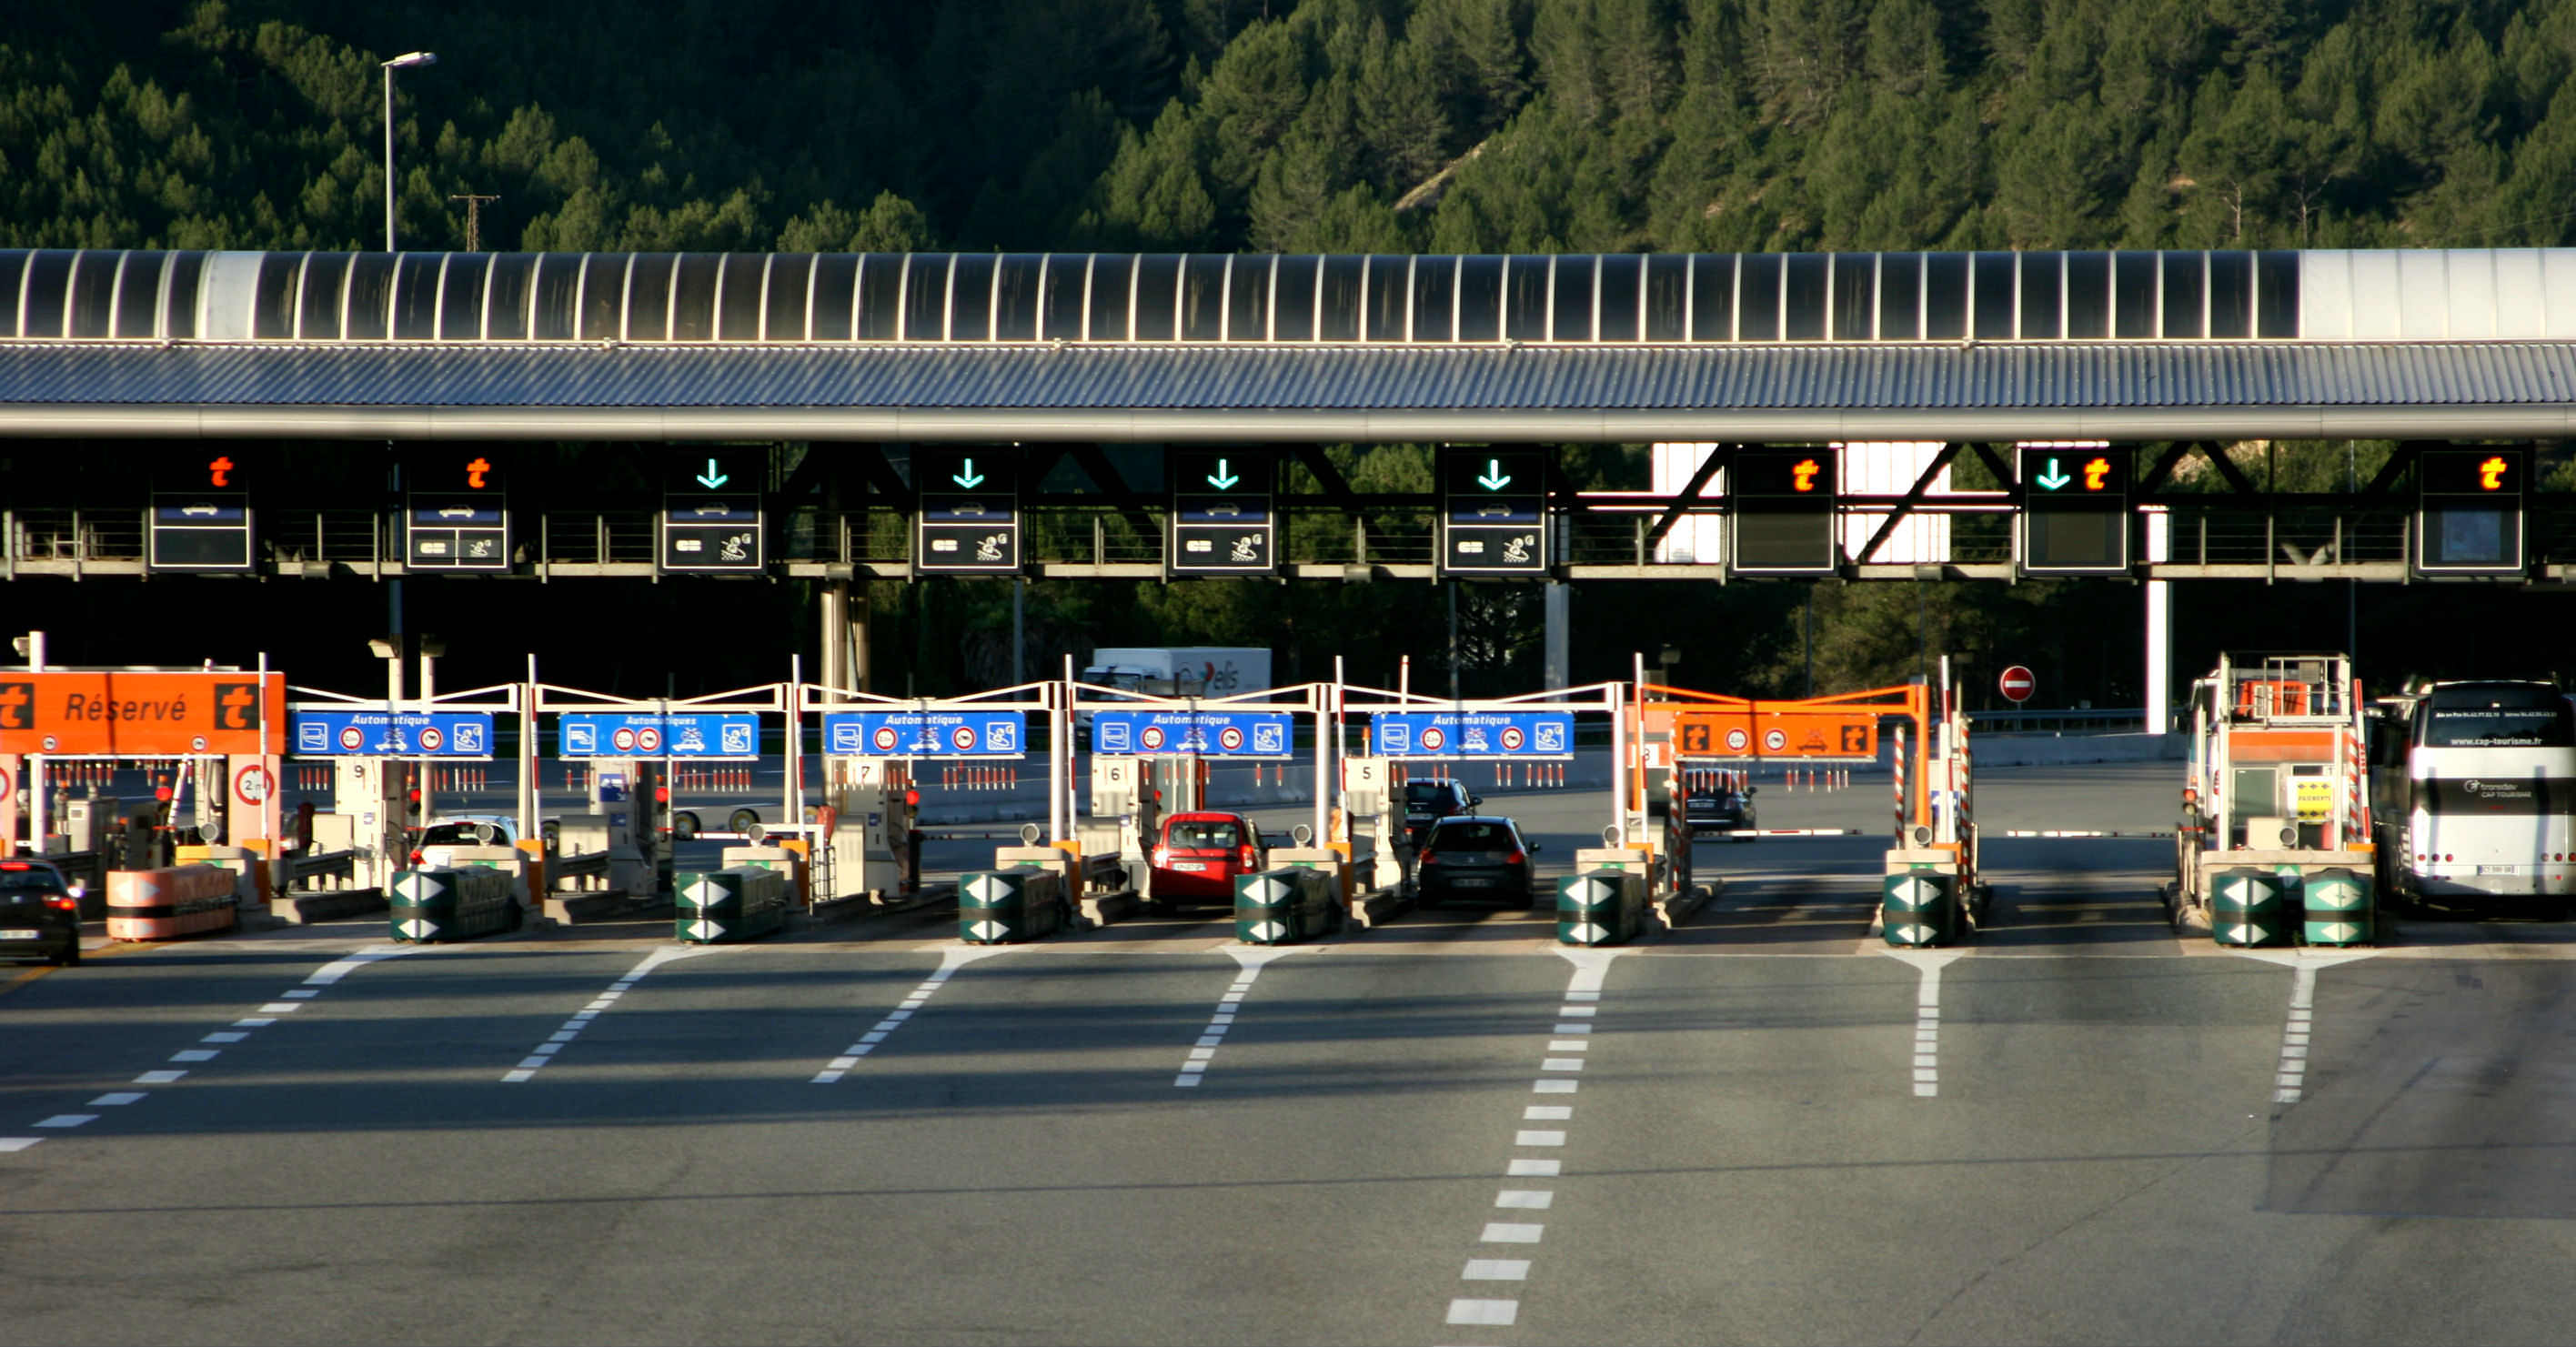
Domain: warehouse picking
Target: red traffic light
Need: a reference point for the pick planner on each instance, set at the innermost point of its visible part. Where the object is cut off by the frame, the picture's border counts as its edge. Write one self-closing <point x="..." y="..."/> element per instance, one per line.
<point x="162" y="794"/>
<point x="911" y="798"/>
<point x="661" y="795"/>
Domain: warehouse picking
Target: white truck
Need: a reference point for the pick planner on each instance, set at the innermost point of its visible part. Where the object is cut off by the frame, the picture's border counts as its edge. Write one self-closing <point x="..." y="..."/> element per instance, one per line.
<point x="1180" y="671"/>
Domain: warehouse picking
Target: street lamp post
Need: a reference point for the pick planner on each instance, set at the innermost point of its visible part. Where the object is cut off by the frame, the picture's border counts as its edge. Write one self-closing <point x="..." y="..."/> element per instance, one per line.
<point x="406" y="61"/>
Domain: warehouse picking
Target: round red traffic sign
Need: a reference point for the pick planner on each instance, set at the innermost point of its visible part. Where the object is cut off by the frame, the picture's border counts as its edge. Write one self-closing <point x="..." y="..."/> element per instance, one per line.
<point x="1231" y="737"/>
<point x="1512" y="738"/>
<point x="352" y="738"/>
<point x="624" y="738"/>
<point x="430" y="739"/>
<point x="963" y="737"/>
<point x="648" y="738"/>
<point x="2017" y="683"/>
<point x="252" y="784"/>
<point x="1151" y="736"/>
<point x="887" y="738"/>
<point x="1432" y="738"/>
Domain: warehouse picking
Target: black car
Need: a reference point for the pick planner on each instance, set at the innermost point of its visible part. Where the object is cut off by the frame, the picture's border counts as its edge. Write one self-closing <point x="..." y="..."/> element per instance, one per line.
<point x="1720" y="809"/>
<point x="1428" y="802"/>
<point x="1473" y="856"/>
<point x="39" y="913"/>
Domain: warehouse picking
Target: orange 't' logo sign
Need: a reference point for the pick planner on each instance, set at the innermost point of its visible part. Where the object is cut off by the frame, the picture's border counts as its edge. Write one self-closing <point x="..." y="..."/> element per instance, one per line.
<point x="2491" y="474"/>
<point x="1805" y="473"/>
<point x="474" y="473"/>
<point x="2094" y="472"/>
<point x="220" y="467"/>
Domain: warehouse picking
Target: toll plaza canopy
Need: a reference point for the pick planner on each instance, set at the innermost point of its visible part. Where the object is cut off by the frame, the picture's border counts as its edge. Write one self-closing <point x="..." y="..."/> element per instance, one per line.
<point x="2462" y="343"/>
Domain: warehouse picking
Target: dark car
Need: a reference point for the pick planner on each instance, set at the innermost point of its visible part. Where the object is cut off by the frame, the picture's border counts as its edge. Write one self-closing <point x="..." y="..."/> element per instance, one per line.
<point x="1720" y="809"/>
<point x="1200" y="855"/>
<point x="39" y="913"/>
<point x="1428" y="802"/>
<point x="1472" y="856"/>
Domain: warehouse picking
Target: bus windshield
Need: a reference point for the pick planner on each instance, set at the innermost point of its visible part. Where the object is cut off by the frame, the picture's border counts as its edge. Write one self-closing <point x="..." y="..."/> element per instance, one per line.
<point x="2498" y="716"/>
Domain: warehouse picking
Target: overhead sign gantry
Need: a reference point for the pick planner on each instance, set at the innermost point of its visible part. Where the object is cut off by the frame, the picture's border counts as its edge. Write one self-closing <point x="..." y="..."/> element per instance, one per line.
<point x="2075" y="517"/>
<point x="1784" y="510"/>
<point x="712" y="521"/>
<point x="457" y="517"/>
<point x="1493" y="511"/>
<point x="2469" y="511"/>
<point x="1223" y="517"/>
<point x="969" y="520"/>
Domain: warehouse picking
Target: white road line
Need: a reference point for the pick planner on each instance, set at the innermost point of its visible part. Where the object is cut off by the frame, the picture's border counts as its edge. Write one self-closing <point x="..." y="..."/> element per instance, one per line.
<point x="158" y="1077"/>
<point x="1253" y="959"/>
<point x="223" y="1036"/>
<point x="68" y="1120"/>
<point x="1534" y="1169"/>
<point x="197" y="1055"/>
<point x="339" y="968"/>
<point x="1525" y="1199"/>
<point x="1546" y="1113"/>
<point x="950" y="960"/>
<point x="2290" y="1075"/>
<point x="1496" y="1270"/>
<point x="1530" y="1136"/>
<point x="546" y="1052"/>
<point x="1928" y="964"/>
<point x="9" y="1145"/>
<point x="1510" y="1232"/>
<point x="1486" y="1312"/>
<point x="116" y="1098"/>
<point x="1555" y="1086"/>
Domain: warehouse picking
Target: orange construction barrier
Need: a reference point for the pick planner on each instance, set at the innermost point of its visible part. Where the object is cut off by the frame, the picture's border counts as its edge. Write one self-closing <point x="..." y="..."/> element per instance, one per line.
<point x="165" y="904"/>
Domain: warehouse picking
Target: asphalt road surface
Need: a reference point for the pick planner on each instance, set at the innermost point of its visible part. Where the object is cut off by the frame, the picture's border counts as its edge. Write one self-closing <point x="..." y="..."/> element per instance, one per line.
<point x="1761" y="1128"/>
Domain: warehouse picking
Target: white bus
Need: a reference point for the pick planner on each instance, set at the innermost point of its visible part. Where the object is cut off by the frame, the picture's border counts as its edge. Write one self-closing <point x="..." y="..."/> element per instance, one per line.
<point x="2475" y="788"/>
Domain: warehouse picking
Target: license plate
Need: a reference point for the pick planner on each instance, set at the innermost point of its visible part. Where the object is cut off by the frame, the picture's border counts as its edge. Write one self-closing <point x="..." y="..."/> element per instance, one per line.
<point x="1474" y="883"/>
<point x="22" y="935"/>
<point x="1189" y="865"/>
<point x="2499" y="869"/>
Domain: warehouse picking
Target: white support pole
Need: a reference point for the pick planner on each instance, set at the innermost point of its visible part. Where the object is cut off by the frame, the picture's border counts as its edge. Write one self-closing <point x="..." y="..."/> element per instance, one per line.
<point x="35" y="770"/>
<point x="793" y="703"/>
<point x="428" y="693"/>
<point x="2159" y="679"/>
<point x="528" y="754"/>
<point x="1619" y="762"/>
<point x="1323" y="701"/>
<point x="1059" y="751"/>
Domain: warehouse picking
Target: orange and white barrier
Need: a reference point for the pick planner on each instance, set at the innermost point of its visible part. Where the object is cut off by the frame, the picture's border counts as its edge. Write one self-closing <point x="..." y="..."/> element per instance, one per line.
<point x="165" y="904"/>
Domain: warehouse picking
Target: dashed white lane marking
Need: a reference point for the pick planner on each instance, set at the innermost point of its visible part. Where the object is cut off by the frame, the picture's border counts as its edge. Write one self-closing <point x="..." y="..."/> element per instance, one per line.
<point x="118" y="1097"/>
<point x="1928" y="963"/>
<point x="197" y="1055"/>
<point x="2289" y="1078"/>
<point x="158" y="1077"/>
<point x="68" y="1120"/>
<point x="950" y="960"/>
<point x="1253" y="958"/>
<point x="545" y="1052"/>
<point x="1582" y="993"/>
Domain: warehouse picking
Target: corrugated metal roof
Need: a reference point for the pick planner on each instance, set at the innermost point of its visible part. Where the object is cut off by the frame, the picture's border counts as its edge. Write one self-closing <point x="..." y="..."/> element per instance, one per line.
<point x="2208" y="375"/>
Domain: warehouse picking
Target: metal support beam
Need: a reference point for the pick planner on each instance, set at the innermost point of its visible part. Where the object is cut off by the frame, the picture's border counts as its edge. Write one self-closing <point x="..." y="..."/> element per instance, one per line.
<point x="2217" y="456"/>
<point x="1914" y="496"/>
<point x="1337" y="489"/>
<point x="2162" y="469"/>
<point x="1103" y="474"/>
<point x="1719" y="455"/>
<point x="1997" y="464"/>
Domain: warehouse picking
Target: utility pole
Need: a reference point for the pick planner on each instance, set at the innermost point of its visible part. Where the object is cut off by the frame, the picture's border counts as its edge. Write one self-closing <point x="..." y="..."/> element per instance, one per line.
<point x="473" y="218"/>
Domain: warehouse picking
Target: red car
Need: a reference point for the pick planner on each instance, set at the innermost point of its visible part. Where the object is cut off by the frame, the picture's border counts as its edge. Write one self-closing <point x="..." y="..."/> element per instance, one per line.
<point x="1200" y="855"/>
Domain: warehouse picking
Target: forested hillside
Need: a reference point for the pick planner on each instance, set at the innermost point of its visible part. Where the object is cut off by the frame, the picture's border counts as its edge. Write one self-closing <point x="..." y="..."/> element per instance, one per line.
<point x="1448" y="125"/>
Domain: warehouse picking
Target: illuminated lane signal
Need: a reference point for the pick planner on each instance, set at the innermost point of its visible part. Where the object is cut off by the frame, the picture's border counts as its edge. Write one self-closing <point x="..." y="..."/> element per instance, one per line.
<point x="1493" y="511"/>
<point x="456" y="517"/>
<point x="476" y="472"/>
<point x="2075" y="517"/>
<point x="1223" y="520"/>
<point x="220" y="472"/>
<point x="1781" y="511"/>
<point x="2469" y="511"/>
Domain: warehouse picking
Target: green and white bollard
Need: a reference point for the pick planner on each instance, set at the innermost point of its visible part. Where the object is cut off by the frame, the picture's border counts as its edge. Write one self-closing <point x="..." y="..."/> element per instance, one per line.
<point x="2337" y="907"/>
<point x="427" y="906"/>
<point x="1285" y="905"/>
<point x="719" y="907"/>
<point x="1919" y="908"/>
<point x="2248" y="908"/>
<point x="1003" y="907"/>
<point x="1600" y="907"/>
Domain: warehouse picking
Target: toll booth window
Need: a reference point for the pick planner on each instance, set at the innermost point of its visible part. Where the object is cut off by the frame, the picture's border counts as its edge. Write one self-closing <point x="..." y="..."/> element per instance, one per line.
<point x="2231" y="295"/>
<point x="1110" y="291"/>
<point x="1060" y="304"/>
<point x="1390" y="285"/>
<point x="1480" y="299"/>
<point x="138" y="297"/>
<point x="738" y="297"/>
<point x="1900" y="296"/>
<point x="784" y="315"/>
<point x="1803" y="294"/>
<point x="49" y="274"/>
<point x="369" y="286"/>
<point x="1247" y="299"/>
<point x="505" y="302"/>
<point x="2276" y="294"/>
<point x="1158" y="296"/>
<point x="2088" y="295"/>
<point x="460" y="307"/>
<point x="1991" y="295"/>
<point x="1337" y="310"/>
<point x="180" y="319"/>
<point x="925" y="297"/>
<point x="1015" y="297"/>
<point x="416" y="296"/>
<point x="1621" y="276"/>
<point x="1667" y="285"/>
<point x="1435" y="298"/>
<point x="1945" y="296"/>
<point x="603" y="295"/>
<point x="13" y="274"/>
<point x="2133" y="296"/>
<point x="1203" y="298"/>
<point x="970" y="297"/>
<point x="1573" y="299"/>
<point x="1485" y="836"/>
<point x="93" y="294"/>
<point x="558" y="289"/>
<point x="1757" y="297"/>
<point x="1203" y="836"/>
<point x="1713" y="297"/>
<point x="648" y="297"/>
<point x="1855" y="297"/>
<point x="1292" y="307"/>
<point x="870" y="293"/>
<point x="2042" y="275"/>
<point x="1525" y="298"/>
<point x="2182" y="295"/>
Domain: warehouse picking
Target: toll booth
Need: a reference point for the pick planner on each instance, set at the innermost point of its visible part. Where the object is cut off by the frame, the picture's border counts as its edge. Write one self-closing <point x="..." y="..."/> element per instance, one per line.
<point x="2274" y="845"/>
<point x="1527" y="739"/>
<point x="878" y="756"/>
<point x="632" y="758"/>
<point x="1153" y="757"/>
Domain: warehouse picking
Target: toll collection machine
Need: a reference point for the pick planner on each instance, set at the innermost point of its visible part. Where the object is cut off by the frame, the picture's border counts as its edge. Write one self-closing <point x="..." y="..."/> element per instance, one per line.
<point x="2274" y="843"/>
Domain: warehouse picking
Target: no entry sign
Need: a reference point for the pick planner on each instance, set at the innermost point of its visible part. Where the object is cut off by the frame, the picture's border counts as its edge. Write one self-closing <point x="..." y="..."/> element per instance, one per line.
<point x="2017" y="684"/>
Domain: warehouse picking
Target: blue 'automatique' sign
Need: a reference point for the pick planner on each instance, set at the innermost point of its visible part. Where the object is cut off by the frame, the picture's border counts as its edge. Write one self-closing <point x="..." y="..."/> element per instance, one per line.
<point x="407" y="734"/>
<point x="613" y="734"/>
<point x="926" y="734"/>
<point x="1211" y="734"/>
<point x="1472" y="734"/>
